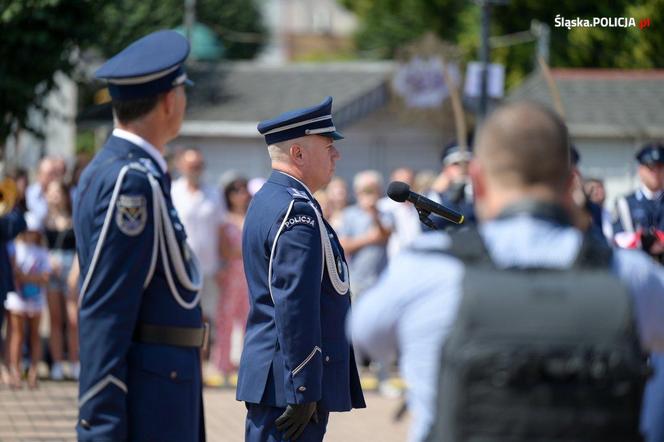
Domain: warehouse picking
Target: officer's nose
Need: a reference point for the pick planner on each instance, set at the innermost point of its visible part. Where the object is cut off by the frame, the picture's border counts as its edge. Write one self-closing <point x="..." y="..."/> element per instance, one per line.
<point x="335" y="153"/>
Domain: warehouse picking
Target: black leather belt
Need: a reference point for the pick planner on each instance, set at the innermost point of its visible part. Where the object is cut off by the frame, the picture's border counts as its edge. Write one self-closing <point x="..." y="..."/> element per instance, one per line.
<point x="177" y="336"/>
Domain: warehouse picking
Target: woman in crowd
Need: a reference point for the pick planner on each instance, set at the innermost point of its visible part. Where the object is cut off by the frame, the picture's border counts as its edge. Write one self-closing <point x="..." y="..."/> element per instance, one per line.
<point x="62" y="307"/>
<point x="31" y="268"/>
<point x="233" y="304"/>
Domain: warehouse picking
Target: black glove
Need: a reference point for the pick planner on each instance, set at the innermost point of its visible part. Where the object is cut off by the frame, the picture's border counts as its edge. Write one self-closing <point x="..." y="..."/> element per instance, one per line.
<point x="295" y="419"/>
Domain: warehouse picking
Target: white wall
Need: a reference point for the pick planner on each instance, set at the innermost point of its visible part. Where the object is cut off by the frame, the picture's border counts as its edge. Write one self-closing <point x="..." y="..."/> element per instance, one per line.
<point x="381" y="141"/>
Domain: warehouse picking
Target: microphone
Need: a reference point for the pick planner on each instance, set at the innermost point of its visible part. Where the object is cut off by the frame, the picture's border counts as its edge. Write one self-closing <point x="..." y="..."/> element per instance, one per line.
<point x="400" y="192"/>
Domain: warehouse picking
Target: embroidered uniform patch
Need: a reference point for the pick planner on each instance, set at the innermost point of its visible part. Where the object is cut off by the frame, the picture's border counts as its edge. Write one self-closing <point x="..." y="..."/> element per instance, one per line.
<point x="300" y="219"/>
<point x="131" y="214"/>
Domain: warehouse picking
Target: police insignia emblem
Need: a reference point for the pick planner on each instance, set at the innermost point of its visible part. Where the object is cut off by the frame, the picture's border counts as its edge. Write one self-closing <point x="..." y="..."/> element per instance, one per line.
<point x="131" y="214"/>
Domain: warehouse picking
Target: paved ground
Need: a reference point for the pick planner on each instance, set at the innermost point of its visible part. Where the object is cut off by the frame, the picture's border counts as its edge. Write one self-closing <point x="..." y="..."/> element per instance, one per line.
<point x="49" y="414"/>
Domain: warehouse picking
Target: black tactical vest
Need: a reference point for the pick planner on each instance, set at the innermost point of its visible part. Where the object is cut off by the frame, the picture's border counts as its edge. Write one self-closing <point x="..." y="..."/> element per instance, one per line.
<point x="540" y="354"/>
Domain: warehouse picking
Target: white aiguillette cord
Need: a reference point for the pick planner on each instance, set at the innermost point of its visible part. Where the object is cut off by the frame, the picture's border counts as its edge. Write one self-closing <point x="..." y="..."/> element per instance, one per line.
<point x="161" y="223"/>
<point x="169" y="241"/>
<point x="339" y="284"/>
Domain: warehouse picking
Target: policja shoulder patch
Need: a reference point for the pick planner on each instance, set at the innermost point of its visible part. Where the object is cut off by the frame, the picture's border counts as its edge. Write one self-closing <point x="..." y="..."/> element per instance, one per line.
<point x="131" y="214"/>
<point x="300" y="219"/>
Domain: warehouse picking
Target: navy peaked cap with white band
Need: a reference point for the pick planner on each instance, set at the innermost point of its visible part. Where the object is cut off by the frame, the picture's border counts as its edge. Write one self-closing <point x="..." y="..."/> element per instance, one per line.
<point x="652" y="153"/>
<point x="314" y="120"/>
<point x="147" y="67"/>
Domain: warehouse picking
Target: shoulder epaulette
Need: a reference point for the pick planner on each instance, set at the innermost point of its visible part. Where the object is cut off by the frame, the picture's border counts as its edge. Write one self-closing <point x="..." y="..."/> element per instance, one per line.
<point x="298" y="194"/>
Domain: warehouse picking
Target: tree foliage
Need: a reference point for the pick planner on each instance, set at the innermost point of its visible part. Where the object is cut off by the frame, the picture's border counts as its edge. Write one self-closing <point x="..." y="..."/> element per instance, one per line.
<point x="39" y="38"/>
<point x="386" y="25"/>
<point x="42" y="37"/>
<point x="123" y="21"/>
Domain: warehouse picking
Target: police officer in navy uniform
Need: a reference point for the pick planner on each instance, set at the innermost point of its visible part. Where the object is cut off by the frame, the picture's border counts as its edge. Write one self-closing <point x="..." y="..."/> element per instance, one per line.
<point x="640" y="215"/>
<point x="140" y="322"/>
<point x="297" y="365"/>
<point x="640" y="224"/>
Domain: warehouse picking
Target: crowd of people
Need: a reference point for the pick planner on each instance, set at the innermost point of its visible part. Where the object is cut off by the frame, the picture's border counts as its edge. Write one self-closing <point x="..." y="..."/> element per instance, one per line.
<point x="278" y="259"/>
<point x="372" y="229"/>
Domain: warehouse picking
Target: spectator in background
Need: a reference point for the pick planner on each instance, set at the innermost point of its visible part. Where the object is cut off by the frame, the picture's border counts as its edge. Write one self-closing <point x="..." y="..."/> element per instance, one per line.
<point x="452" y="187"/>
<point x="199" y="208"/>
<point x="60" y="168"/>
<point x="424" y="181"/>
<point x="364" y="232"/>
<point x="233" y="307"/>
<point x="255" y="184"/>
<point x="406" y="219"/>
<point x="337" y="200"/>
<point x="47" y="171"/>
<point x="26" y="303"/>
<point x="22" y="181"/>
<point x="81" y="162"/>
<point x="594" y="188"/>
<point x="11" y="224"/>
<point x="62" y="307"/>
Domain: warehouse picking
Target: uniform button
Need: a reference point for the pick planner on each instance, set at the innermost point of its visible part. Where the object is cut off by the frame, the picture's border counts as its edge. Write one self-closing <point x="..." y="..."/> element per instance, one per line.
<point x="327" y="359"/>
<point x="85" y="424"/>
<point x="174" y="374"/>
<point x="302" y="388"/>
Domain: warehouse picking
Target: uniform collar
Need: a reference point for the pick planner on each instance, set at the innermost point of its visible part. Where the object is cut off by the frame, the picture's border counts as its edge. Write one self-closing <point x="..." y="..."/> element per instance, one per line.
<point x="649" y="194"/>
<point x="143" y="144"/>
<point x="285" y="179"/>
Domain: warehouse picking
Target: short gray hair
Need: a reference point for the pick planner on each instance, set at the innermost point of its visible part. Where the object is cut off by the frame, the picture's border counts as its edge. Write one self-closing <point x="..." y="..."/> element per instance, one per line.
<point x="365" y="176"/>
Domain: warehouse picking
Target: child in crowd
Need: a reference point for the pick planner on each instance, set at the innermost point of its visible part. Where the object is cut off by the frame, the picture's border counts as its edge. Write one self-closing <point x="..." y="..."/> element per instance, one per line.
<point x="32" y="272"/>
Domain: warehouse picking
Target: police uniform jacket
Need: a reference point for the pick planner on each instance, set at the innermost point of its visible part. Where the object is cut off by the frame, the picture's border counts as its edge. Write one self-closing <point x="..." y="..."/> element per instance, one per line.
<point x="135" y="269"/>
<point x="295" y="349"/>
<point x="637" y="212"/>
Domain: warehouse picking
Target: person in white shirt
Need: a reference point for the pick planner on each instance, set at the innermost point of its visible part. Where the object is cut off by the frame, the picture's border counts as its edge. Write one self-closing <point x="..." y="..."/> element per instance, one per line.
<point x="47" y="171"/>
<point x="406" y="220"/>
<point x="201" y="210"/>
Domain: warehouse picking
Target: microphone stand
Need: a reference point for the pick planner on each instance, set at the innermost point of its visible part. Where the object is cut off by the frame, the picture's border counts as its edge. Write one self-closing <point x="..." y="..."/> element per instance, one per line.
<point x="424" y="218"/>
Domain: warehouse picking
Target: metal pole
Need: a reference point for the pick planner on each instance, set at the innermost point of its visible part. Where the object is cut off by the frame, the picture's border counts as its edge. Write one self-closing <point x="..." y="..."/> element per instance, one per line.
<point x="484" y="59"/>
<point x="543" y="33"/>
<point x="189" y="18"/>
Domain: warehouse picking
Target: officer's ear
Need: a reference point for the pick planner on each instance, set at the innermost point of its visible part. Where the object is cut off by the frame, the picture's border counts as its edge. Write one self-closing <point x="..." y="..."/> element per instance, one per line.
<point x="478" y="178"/>
<point x="167" y="100"/>
<point x="297" y="153"/>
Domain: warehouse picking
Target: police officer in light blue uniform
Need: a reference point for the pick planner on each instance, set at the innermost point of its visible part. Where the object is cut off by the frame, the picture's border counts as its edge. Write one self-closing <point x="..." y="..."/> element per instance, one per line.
<point x="140" y="321"/>
<point x="297" y="365"/>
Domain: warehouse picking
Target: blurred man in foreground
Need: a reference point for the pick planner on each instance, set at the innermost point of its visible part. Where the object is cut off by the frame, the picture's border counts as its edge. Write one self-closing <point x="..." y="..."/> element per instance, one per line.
<point x="523" y="193"/>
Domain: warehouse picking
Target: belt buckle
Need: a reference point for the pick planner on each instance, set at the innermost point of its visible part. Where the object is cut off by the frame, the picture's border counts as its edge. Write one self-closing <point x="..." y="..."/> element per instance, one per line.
<point x="206" y="335"/>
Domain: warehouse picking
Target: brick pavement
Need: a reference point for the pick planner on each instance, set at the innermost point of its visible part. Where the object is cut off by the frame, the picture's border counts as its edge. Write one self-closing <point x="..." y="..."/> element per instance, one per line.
<point x="49" y="414"/>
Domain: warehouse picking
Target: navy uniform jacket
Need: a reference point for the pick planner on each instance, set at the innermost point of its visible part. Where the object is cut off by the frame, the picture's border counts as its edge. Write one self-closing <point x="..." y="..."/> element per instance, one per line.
<point x="295" y="349"/>
<point x="135" y="269"/>
<point x="641" y="212"/>
<point x="11" y="225"/>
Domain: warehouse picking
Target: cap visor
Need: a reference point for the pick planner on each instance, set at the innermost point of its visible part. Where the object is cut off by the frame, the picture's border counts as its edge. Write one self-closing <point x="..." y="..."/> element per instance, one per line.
<point x="189" y="83"/>
<point x="335" y="135"/>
